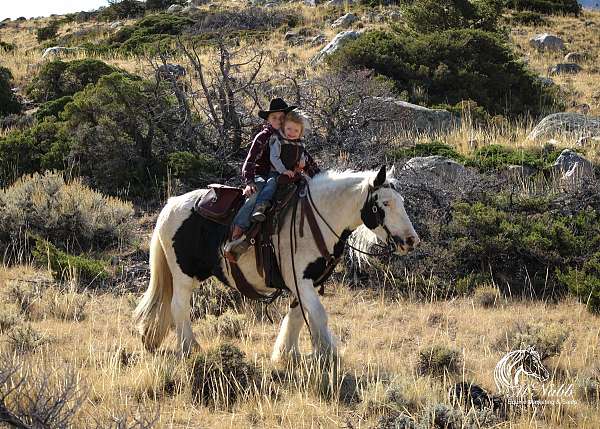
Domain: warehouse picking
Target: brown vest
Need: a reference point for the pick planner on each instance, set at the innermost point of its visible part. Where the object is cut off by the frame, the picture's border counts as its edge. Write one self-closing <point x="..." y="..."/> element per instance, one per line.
<point x="291" y="151"/>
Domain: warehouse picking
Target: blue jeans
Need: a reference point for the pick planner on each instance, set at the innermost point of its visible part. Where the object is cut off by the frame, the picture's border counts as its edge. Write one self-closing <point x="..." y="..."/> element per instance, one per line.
<point x="265" y="189"/>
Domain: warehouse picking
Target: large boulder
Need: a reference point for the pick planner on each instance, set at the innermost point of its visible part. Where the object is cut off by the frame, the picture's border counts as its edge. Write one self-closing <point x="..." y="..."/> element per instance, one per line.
<point x="573" y="57"/>
<point x="57" y="50"/>
<point x="411" y="117"/>
<point x="437" y="165"/>
<point x="340" y="3"/>
<point x="547" y="42"/>
<point x="572" y="166"/>
<point x="174" y="8"/>
<point x="345" y="21"/>
<point x="338" y="41"/>
<point x="564" y="68"/>
<point x="196" y="3"/>
<point x="569" y="124"/>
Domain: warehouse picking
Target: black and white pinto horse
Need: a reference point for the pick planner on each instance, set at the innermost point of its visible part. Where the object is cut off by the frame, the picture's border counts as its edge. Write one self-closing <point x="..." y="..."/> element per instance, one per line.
<point x="186" y="249"/>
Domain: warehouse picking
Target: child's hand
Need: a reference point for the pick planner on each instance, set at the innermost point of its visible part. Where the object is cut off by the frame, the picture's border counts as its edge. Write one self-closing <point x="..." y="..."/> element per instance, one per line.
<point x="301" y="164"/>
<point x="289" y="173"/>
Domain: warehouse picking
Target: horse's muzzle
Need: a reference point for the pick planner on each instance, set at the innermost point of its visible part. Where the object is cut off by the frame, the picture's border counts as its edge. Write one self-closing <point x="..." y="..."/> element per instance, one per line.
<point x="406" y="245"/>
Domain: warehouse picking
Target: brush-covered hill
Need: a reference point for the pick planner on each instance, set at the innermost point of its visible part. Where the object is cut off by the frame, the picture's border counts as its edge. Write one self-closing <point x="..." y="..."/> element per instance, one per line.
<point x="490" y="111"/>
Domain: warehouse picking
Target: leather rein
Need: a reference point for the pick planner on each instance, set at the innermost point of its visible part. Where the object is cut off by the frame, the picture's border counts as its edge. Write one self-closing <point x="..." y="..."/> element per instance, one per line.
<point x="307" y="207"/>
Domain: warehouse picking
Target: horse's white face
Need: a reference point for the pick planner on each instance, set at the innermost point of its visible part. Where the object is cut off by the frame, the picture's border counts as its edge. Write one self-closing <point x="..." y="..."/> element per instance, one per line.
<point x="396" y="220"/>
<point x="385" y="215"/>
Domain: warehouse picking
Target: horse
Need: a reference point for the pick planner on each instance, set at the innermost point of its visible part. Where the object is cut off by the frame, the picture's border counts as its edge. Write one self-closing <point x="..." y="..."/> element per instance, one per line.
<point x="186" y="249"/>
<point x="510" y="368"/>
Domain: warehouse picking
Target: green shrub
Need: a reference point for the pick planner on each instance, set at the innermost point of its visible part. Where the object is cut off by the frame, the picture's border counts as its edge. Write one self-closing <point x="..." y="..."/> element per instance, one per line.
<point x="426" y="149"/>
<point x="222" y="376"/>
<point x="520" y="243"/>
<point x="441" y="416"/>
<point x="33" y="149"/>
<point x="438" y="360"/>
<point x="150" y="30"/>
<point x="546" y="6"/>
<point x="197" y="169"/>
<point x="527" y="18"/>
<point x="547" y="339"/>
<point x="212" y="299"/>
<point x="487" y="296"/>
<point x="9" y="103"/>
<point x="25" y="339"/>
<point x="65" y="267"/>
<point x="122" y="9"/>
<point x="495" y="156"/>
<point x="448" y="67"/>
<point x="584" y="282"/>
<point x="47" y="32"/>
<point x="57" y="78"/>
<point x="9" y="317"/>
<point x="7" y="47"/>
<point x="70" y="215"/>
<point x="162" y="4"/>
<point x="53" y="107"/>
<point x="426" y="16"/>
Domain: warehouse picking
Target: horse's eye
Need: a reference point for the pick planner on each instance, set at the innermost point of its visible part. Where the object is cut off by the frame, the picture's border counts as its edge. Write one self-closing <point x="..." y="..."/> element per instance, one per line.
<point x="386" y="203"/>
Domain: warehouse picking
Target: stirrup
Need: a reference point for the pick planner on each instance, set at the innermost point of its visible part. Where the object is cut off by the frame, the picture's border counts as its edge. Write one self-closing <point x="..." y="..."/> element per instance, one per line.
<point x="237" y="247"/>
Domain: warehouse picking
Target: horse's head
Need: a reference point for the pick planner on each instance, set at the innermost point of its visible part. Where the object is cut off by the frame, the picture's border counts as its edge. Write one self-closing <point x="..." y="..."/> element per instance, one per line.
<point x="533" y="366"/>
<point x="384" y="213"/>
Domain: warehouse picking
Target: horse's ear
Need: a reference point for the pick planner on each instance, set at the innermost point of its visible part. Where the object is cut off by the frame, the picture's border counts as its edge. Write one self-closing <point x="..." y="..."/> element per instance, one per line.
<point x="380" y="178"/>
<point x="391" y="171"/>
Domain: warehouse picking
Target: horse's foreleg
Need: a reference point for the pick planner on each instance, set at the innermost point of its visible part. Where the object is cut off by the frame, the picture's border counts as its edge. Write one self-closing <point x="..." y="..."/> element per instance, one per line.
<point x="180" y="309"/>
<point x="323" y="341"/>
<point x="287" y="340"/>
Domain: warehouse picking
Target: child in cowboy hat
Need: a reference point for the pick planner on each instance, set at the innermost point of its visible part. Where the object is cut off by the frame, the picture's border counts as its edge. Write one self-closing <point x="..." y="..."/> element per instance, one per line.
<point x="255" y="173"/>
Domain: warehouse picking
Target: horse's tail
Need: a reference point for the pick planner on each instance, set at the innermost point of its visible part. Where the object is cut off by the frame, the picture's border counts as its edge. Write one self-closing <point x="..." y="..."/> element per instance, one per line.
<point x="153" y="314"/>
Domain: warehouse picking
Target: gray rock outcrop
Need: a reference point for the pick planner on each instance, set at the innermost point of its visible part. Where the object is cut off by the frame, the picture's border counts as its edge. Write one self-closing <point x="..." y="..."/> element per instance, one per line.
<point x="174" y="8"/>
<point x="437" y="165"/>
<point x="336" y="43"/>
<point x="572" y="166"/>
<point x="547" y="42"/>
<point x="345" y="21"/>
<point x="564" y="68"/>
<point x="568" y="124"/>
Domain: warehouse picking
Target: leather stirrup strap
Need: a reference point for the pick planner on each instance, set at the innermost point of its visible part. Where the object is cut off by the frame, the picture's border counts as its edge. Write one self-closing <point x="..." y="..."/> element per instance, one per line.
<point x="242" y="284"/>
<point x="314" y="228"/>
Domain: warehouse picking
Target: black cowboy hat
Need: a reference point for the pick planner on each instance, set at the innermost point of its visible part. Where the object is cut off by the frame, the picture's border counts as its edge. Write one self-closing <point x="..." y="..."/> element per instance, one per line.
<point x="276" y="105"/>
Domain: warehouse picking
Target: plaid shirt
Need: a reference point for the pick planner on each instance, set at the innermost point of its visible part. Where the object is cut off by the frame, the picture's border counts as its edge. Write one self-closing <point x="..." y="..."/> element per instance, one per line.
<point x="258" y="162"/>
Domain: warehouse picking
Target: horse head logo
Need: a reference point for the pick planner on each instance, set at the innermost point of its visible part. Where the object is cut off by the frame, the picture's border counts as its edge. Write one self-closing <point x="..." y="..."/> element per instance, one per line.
<point x="524" y="361"/>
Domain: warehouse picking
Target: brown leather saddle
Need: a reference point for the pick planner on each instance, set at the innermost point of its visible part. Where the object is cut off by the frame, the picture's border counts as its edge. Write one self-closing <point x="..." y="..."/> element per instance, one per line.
<point x="221" y="203"/>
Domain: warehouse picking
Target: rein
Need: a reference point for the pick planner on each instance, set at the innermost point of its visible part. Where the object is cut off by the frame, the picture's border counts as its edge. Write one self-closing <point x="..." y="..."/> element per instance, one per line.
<point x="318" y="238"/>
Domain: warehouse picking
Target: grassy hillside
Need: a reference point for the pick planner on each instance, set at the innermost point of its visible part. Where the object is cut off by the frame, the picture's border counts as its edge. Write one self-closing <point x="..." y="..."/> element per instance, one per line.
<point x="101" y="140"/>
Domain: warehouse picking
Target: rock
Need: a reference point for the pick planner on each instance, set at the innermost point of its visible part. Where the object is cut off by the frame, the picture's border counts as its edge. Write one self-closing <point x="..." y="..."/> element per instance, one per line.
<point x="569" y="124"/>
<point x="270" y="5"/>
<point x="546" y="81"/>
<point x="188" y="9"/>
<point x="174" y="8"/>
<point x="115" y="25"/>
<point x="170" y="71"/>
<point x="573" y="57"/>
<point x="395" y="16"/>
<point x="573" y="166"/>
<point x="312" y="3"/>
<point x="562" y="68"/>
<point x="345" y="21"/>
<point x="196" y="3"/>
<point x="290" y="35"/>
<point x="438" y="165"/>
<point x="547" y="42"/>
<point x="410" y="117"/>
<point x="318" y="40"/>
<point x="340" y="3"/>
<point x="293" y="38"/>
<point x="57" y="50"/>
<point x="338" y="41"/>
<point x="519" y="171"/>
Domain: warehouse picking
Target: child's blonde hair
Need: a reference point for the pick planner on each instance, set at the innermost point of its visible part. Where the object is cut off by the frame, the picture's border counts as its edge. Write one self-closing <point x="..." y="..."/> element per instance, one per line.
<point x="298" y="117"/>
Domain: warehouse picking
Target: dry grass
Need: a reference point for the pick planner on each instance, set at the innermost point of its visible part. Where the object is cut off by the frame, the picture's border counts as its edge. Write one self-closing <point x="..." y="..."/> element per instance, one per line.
<point x="381" y="344"/>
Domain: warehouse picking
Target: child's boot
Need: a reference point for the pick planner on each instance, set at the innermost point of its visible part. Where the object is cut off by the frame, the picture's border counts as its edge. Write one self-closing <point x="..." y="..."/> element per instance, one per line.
<point x="259" y="211"/>
<point x="237" y="245"/>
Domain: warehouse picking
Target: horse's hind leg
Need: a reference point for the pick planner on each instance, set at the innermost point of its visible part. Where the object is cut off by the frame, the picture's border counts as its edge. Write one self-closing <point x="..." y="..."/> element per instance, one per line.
<point x="180" y="309"/>
<point x="287" y="340"/>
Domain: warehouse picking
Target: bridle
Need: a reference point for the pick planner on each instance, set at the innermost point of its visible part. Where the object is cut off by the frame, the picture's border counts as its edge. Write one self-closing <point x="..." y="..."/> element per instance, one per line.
<point x="390" y="245"/>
